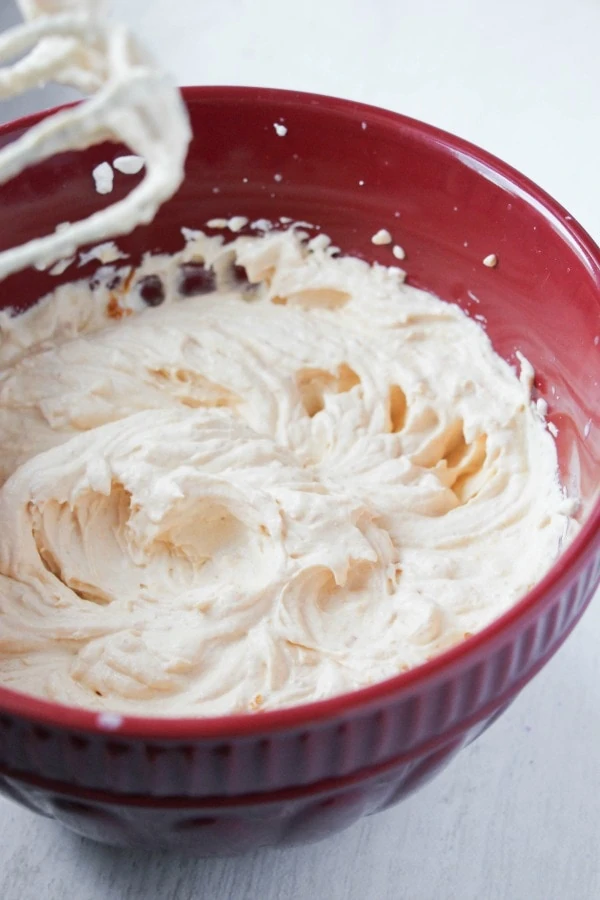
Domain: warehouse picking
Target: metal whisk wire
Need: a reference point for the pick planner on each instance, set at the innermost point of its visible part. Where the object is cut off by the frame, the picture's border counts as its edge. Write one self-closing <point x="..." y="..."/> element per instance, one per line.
<point x="131" y="101"/>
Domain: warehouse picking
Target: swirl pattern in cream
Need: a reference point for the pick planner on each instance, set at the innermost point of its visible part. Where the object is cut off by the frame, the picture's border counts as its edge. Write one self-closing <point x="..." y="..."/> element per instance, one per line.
<point x="225" y="495"/>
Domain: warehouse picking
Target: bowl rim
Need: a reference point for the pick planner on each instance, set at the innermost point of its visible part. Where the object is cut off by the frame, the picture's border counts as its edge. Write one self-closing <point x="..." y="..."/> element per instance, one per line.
<point x="565" y="568"/>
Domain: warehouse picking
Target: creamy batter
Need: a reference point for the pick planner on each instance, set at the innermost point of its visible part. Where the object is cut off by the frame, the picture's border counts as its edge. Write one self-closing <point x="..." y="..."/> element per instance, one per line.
<point x="255" y="474"/>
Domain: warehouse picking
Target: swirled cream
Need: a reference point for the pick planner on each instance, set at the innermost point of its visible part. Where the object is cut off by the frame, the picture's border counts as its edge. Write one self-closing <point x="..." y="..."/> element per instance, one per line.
<point x="255" y="474"/>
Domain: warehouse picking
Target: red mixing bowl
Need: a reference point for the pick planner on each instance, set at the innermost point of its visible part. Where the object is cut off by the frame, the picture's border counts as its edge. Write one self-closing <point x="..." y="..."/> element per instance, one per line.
<point x="232" y="784"/>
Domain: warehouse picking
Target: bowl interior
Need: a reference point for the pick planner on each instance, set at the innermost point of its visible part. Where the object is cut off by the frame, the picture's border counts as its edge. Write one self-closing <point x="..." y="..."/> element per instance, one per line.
<point x="352" y="170"/>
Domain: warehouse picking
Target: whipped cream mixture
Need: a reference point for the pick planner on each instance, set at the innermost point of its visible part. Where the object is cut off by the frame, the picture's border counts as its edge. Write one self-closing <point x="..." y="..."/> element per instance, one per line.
<point x="255" y="474"/>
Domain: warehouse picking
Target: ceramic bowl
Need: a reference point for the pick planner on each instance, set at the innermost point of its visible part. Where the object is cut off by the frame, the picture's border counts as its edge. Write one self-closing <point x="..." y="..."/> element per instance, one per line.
<point x="232" y="784"/>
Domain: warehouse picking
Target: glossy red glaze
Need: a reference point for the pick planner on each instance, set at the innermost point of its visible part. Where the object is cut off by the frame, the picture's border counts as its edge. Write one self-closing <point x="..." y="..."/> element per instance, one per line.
<point x="235" y="783"/>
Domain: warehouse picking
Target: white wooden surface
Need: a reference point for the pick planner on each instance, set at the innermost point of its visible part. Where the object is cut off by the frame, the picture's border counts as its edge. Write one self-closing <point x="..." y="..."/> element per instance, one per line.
<point x="517" y="815"/>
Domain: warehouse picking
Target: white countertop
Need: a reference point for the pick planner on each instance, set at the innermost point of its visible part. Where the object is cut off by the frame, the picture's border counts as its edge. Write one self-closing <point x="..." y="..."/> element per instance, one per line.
<point x="517" y="815"/>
